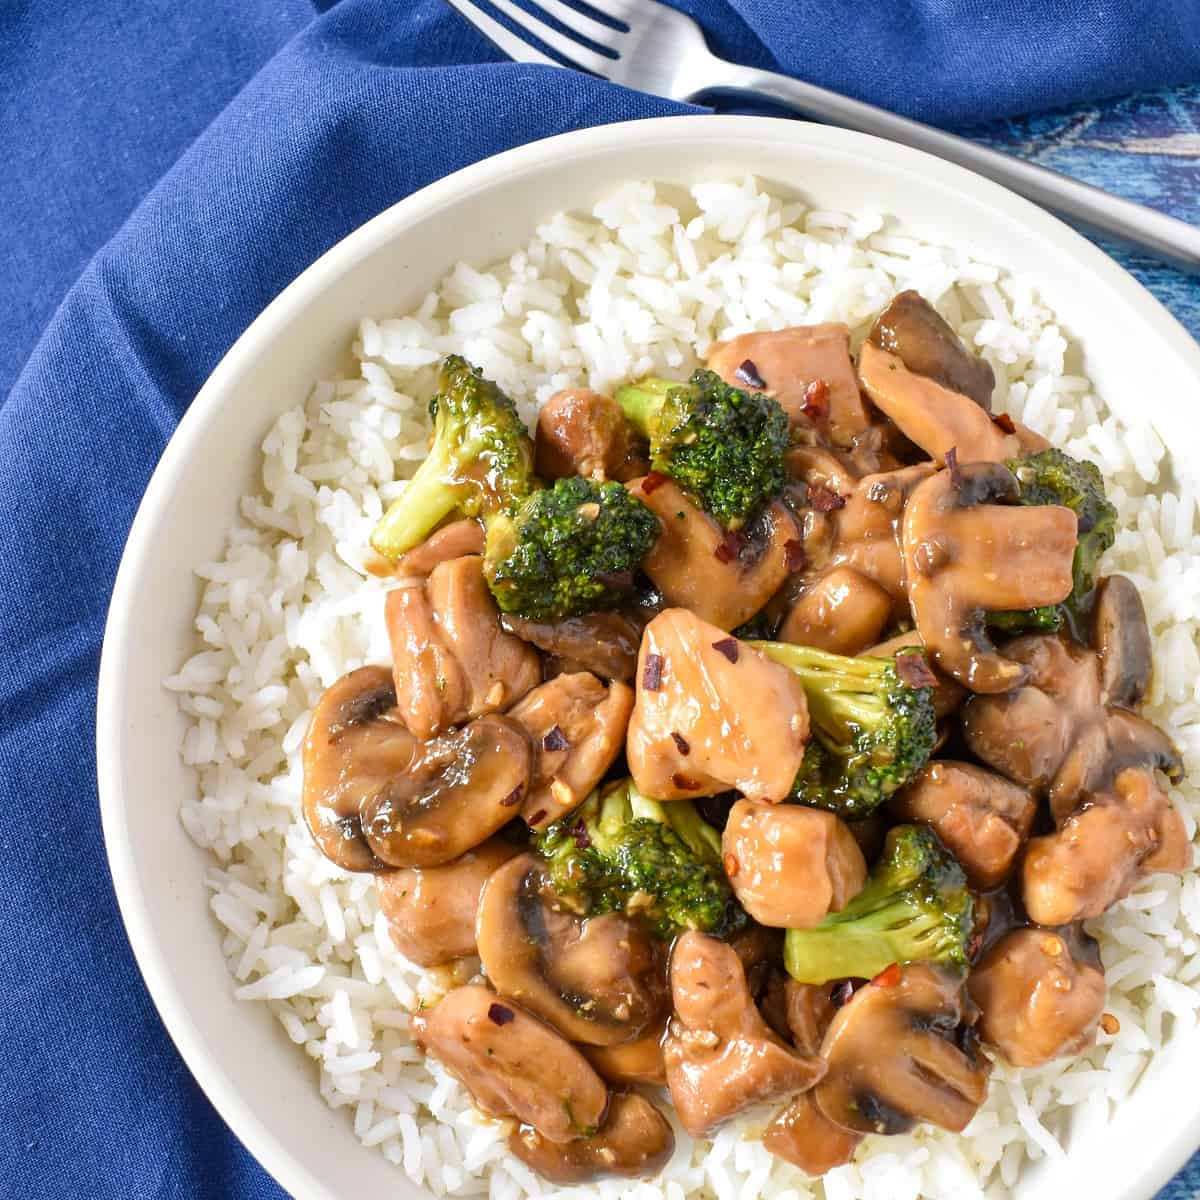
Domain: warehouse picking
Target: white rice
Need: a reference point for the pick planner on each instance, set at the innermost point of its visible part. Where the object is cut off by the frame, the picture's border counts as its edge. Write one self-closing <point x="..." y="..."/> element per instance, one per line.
<point x="642" y="283"/>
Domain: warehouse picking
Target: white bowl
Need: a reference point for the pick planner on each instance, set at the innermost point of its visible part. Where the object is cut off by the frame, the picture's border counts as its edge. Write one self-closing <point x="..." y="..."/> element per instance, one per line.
<point x="1141" y="360"/>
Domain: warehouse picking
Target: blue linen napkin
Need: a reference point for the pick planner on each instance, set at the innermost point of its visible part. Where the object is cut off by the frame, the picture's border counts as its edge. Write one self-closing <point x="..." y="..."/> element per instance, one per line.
<point x="251" y="135"/>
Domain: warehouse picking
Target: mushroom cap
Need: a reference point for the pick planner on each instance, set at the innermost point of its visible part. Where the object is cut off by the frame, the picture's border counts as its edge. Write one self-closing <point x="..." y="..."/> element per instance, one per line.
<point x="599" y="981"/>
<point x="901" y="1051"/>
<point x="354" y="745"/>
<point x="459" y="789"/>
<point x="1122" y="639"/>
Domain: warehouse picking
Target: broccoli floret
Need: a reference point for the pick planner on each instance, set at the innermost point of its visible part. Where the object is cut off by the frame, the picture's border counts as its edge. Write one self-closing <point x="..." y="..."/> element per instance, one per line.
<point x="622" y="852"/>
<point x="569" y="549"/>
<point x="1046" y="618"/>
<point x="480" y="463"/>
<point x="915" y="907"/>
<point x="1052" y="477"/>
<point x="723" y="446"/>
<point x="871" y="731"/>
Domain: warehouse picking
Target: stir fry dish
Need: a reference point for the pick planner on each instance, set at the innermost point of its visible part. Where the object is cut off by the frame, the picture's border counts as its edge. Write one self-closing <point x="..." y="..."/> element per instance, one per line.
<point x="758" y="738"/>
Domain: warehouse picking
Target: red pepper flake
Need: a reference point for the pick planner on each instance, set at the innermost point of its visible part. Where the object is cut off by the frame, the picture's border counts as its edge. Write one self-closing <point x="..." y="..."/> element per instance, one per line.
<point x="816" y="400"/>
<point x="583" y="839"/>
<point x="913" y="670"/>
<point x="653" y="674"/>
<point x="730" y="864"/>
<point x="652" y="482"/>
<point x="952" y="466"/>
<point x="841" y="993"/>
<point x="555" y="739"/>
<point x="499" y="1015"/>
<point x="728" y="647"/>
<point x="540" y="815"/>
<point x="747" y="373"/>
<point x="513" y="798"/>
<point x="824" y="499"/>
<point x="888" y="977"/>
<point x="685" y="783"/>
<point x="1110" y="1024"/>
<point x="729" y="547"/>
<point x="681" y="743"/>
<point x="1005" y="422"/>
<point x="793" y="554"/>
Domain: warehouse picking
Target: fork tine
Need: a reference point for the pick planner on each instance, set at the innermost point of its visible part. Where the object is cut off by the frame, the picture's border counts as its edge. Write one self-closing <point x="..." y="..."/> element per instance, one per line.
<point x="585" y="26"/>
<point x="576" y="54"/>
<point x="517" y="48"/>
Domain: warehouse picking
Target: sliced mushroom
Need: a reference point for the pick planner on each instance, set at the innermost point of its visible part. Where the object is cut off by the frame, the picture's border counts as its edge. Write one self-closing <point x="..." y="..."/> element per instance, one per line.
<point x="605" y="643"/>
<point x="807" y="368"/>
<point x="1037" y="1000"/>
<point x="354" y="745"/>
<point x="635" y="1140"/>
<point x="577" y="728"/>
<point x="1122" y="639"/>
<point x="452" y="659"/>
<point x="599" y="981"/>
<point x="581" y="432"/>
<point x="982" y="818"/>
<point x="967" y="554"/>
<point x="639" y="1061"/>
<point x="802" y="1134"/>
<point x="721" y="1055"/>
<point x="790" y="866"/>
<point x="1055" y="734"/>
<point x="431" y="912"/>
<point x="712" y="714"/>
<point x="725" y="579"/>
<point x="902" y="1050"/>
<point x="455" y="540"/>
<point x="914" y="331"/>
<point x="458" y="790"/>
<point x="842" y="612"/>
<point x="1102" y="850"/>
<point x="512" y="1064"/>
<point x="934" y="417"/>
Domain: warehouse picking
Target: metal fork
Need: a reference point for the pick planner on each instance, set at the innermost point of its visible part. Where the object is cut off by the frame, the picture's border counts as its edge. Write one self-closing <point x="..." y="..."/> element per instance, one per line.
<point x="663" y="52"/>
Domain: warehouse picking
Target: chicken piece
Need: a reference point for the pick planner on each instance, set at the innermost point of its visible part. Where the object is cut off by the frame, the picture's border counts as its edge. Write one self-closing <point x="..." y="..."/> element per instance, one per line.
<point x="798" y="1011"/>
<point x="577" y="727"/>
<point x="637" y="1061"/>
<point x="969" y="550"/>
<point x="452" y="660"/>
<point x="914" y="331"/>
<point x="981" y="818"/>
<point x="581" y="432"/>
<point x="806" y="368"/>
<point x="512" y="1064"/>
<point x="901" y="1050"/>
<point x="935" y="418"/>
<point x="803" y="1135"/>
<point x="842" y="612"/>
<point x="635" y="1140"/>
<point x="354" y="745"/>
<point x="605" y="643"/>
<point x="1103" y="850"/>
<point x="1037" y="999"/>
<point x="789" y="866"/>
<point x="721" y="1055"/>
<point x="723" y="578"/>
<point x="1056" y="734"/>
<point x="712" y="714"/>
<point x="456" y="540"/>
<point x="431" y="911"/>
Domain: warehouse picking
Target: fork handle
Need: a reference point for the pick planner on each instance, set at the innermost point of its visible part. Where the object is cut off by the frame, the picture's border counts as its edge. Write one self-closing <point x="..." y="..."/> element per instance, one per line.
<point x="1145" y="228"/>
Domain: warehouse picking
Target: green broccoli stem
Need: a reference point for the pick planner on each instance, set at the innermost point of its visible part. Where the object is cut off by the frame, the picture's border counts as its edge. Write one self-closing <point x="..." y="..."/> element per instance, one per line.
<point x="427" y="500"/>
<point x="642" y="401"/>
<point x="853" y="950"/>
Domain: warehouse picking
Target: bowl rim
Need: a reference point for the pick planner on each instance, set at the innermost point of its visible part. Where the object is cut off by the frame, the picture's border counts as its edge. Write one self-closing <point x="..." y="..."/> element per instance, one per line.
<point x="118" y="641"/>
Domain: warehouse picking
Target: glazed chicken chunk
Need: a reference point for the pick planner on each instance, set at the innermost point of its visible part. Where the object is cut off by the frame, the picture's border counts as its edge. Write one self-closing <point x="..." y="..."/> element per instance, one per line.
<point x="581" y="432"/>
<point x="452" y="659"/>
<point x="711" y="714"/>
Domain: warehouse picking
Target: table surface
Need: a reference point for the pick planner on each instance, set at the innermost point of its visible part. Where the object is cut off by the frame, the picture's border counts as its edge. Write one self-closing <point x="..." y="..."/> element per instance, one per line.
<point x="1147" y="148"/>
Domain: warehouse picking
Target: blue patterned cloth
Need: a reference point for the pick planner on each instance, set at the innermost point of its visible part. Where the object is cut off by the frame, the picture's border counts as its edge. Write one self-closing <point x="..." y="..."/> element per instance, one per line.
<point x="167" y="169"/>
